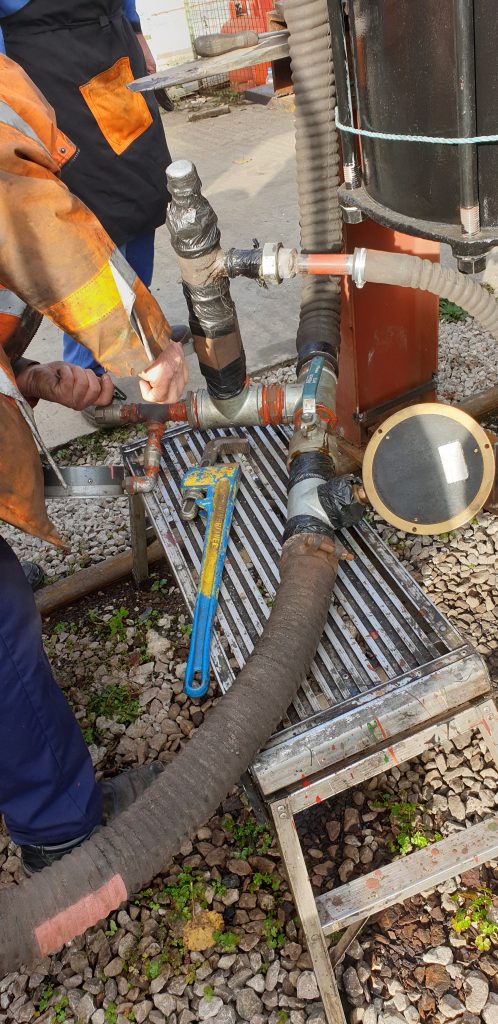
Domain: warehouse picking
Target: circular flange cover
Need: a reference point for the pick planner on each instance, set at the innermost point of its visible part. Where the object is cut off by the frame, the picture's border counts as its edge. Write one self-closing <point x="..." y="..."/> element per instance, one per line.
<point x="428" y="469"/>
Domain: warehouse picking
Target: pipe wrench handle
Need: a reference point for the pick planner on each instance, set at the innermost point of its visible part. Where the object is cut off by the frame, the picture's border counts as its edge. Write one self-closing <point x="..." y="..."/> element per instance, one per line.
<point x="197" y="673"/>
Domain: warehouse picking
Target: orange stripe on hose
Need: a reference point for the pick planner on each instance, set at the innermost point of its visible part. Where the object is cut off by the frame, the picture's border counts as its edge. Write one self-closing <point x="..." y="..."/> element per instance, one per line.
<point x="74" y="920"/>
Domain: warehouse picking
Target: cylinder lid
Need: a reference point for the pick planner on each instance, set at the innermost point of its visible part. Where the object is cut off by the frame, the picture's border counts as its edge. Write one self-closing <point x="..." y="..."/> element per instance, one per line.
<point x="428" y="469"/>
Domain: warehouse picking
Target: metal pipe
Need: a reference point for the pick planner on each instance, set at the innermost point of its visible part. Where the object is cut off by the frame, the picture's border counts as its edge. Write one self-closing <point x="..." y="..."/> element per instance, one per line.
<point x="152" y="462"/>
<point x="466" y="114"/>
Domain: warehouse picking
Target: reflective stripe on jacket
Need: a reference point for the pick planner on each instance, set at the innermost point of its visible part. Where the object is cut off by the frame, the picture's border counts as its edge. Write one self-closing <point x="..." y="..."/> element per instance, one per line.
<point x="57" y="258"/>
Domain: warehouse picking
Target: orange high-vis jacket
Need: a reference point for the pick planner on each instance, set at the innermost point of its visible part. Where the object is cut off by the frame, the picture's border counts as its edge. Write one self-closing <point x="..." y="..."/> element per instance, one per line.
<point x="56" y="257"/>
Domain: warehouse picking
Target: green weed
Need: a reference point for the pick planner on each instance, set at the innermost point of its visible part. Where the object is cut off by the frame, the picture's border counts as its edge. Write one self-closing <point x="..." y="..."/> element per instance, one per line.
<point x="473" y="916"/>
<point x="268" y="881"/>
<point x="64" y="627"/>
<point x="116" y="624"/>
<point x="282" y="1016"/>
<point x="44" y="1000"/>
<point x="154" y="970"/>
<point x="116" y="702"/>
<point x="208" y="993"/>
<point x="111" y="1013"/>
<point x="408" y="835"/>
<point x="188" y="888"/>
<point x="449" y="312"/>
<point x="112" y="929"/>
<point x="160" y="586"/>
<point x="273" y="932"/>
<point x="60" y="1008"/>
<point x="248" y="837"/>
<point x="226" y="940"/>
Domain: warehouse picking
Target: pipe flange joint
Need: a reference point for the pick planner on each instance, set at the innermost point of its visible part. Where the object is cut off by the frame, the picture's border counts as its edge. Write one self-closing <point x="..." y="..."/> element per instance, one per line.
<point x="358" y="271"/>
<point x="269" y="263"/>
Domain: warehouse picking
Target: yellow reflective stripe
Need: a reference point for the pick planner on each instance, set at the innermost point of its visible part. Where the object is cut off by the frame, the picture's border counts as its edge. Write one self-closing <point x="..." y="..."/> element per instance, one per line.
<point x="87" y="305"/>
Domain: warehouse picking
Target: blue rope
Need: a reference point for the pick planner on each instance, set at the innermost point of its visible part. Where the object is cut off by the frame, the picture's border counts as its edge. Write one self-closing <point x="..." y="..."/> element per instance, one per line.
<point x="434" y="139"/>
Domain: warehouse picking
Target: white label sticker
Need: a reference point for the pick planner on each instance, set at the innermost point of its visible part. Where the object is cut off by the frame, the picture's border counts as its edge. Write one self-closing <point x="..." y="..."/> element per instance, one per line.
<point x="453" y="461"/>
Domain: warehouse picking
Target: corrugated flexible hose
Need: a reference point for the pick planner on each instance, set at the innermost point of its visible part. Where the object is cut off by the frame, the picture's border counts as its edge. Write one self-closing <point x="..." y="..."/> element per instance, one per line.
<point x="61" y="902"/>
<point x="413" y="272"/>
<point x="318" y="170"/>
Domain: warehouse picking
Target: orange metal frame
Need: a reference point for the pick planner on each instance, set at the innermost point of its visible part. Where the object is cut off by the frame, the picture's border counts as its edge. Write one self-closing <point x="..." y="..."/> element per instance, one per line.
<point x="389" y="336"/>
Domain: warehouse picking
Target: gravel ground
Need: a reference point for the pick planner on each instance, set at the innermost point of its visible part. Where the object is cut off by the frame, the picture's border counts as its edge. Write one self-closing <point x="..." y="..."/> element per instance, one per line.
<point x="120" y="657"/>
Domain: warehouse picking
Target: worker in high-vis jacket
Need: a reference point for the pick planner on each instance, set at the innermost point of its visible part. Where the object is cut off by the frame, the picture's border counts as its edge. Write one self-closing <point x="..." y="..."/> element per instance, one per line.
<point x="56" y="258"/>
<point x="82" y="55"/>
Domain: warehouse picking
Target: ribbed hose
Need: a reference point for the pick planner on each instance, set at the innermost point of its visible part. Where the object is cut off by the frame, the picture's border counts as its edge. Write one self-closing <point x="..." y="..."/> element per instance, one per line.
<point x="413" y="272"/>
<point x="64" y="900"/>
<point x="318" y="170"/>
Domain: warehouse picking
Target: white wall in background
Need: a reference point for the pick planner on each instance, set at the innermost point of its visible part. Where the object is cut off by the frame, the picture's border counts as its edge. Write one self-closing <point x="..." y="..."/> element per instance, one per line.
<point x="165" y="25"/>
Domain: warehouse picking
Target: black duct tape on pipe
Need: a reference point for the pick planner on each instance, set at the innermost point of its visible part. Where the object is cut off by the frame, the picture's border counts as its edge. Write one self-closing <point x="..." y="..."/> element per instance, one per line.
<point x="192" y="223"/>
<point x="338" y="501"/>
<point x="308" y="466"/>
<point x="211" y="309"/>
<point x="243" y="262"/>
<point x="228" y="382"/>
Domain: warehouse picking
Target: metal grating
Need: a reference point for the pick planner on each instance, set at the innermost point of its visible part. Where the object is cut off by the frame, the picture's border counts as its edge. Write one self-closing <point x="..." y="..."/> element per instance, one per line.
<point x="381" y="625"/>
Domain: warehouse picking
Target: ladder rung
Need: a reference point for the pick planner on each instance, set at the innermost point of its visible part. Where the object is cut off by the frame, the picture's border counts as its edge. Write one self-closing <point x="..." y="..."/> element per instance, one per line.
<point x="410" y="875"/>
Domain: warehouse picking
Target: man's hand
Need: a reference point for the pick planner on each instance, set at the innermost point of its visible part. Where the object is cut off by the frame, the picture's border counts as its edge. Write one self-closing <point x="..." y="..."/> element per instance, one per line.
<point x="150" y="63"/>
<point x="65" y="384"/>
<point x="165" y="378"/>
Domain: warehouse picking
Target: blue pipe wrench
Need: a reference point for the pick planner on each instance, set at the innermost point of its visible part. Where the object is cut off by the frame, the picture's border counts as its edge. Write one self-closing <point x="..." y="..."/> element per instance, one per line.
<point x="220" y="484"/>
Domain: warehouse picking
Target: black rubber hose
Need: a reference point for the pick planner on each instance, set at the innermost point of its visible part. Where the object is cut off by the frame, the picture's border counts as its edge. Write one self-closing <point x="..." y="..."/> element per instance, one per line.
<point x="318" y="171"/>
<point x="43" y="912"/>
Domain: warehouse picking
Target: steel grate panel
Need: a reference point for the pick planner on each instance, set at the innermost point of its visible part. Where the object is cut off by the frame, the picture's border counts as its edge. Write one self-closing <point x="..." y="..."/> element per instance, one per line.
<point x="380" y="625"/>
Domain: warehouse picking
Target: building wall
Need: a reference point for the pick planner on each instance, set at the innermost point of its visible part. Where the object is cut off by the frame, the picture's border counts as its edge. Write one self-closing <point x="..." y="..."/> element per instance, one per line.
<point x="166" y="28"/>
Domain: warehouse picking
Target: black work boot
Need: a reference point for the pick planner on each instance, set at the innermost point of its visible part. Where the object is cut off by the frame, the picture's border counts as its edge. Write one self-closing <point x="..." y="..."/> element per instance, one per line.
<point x="117" y="795"/>
<point x="34" y="574"/>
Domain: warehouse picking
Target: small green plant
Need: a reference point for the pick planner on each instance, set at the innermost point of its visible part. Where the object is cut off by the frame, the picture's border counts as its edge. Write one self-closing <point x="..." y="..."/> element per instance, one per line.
<point x="249" y="837"/>
<point x="160" y="586"/>
<point x="219" y="888"/>
<point x="408" y="835"/>
<point x="116" y="623"/>
<point x="94" y="616"/>
<point x="208" y="993"/>
<point x="116" y="702"/>
<point x="60" y="1008"/>
<point x="153" y="970"/>
<point x="273" y="932"/>
<point x="449" y="312"/>
<point x="226" y="940"/>
<point x="88" y="735"/>
<point x="64" y="627"/>
<point x="186" y="628"/>
<point x="111" y="1013"/>
<point x="148" y="896"/>
<point x="44" y="999"/>
<point x="267" y="881"/>
<point x="112" y="929"/>
<point x="282" y="1016"/>
<point x="473" y="916"/>
<point x="188" y="888"/>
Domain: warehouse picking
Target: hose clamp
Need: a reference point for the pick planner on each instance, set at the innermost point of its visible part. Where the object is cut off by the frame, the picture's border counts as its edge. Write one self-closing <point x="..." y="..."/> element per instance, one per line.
<point x="359" y="262"/>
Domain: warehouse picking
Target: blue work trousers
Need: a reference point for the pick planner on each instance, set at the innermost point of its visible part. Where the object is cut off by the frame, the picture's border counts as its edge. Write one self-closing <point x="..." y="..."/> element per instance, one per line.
<point x="139" y="252"/>
<point x="48" y="792"/>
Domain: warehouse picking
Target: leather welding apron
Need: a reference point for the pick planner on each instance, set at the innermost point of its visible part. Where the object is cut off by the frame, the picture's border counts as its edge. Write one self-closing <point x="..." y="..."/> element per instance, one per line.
<point x="81" y="55"/>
